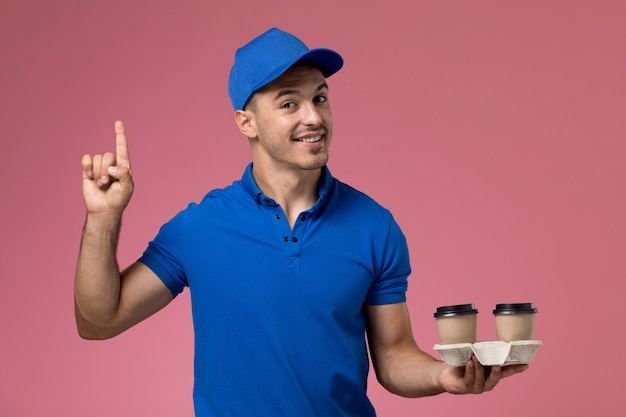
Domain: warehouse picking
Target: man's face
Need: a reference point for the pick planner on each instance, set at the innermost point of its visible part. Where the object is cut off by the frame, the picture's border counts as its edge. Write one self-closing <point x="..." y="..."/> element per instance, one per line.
<point x="293" y="121"/>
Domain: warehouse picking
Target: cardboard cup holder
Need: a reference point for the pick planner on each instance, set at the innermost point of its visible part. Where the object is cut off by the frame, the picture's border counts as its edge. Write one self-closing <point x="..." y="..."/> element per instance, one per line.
<point x="489" y="353"/>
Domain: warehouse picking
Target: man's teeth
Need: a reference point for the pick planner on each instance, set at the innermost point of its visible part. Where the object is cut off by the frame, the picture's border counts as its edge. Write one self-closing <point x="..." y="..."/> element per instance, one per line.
<point x="310" y="140"/>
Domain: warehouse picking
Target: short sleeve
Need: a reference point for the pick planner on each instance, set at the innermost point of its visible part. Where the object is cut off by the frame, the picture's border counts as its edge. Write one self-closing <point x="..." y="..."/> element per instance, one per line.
<point x="391" y="281"/>
<point x="164" y="255"/>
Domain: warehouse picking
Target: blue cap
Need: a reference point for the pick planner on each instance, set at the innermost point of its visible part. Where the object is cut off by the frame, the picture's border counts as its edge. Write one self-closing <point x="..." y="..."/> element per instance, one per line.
<point x="267" y="57"/>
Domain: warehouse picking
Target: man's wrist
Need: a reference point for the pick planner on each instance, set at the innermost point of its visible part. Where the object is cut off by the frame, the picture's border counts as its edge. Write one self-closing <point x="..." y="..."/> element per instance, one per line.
<point x="108" y="223"/>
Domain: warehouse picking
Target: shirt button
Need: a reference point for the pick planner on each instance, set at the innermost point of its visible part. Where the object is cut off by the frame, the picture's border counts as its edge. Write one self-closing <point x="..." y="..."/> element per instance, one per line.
<point x="302" y="218"/>
<point x="294" y="239"/>
<point x="285" y="238"/>
<point x="277" y="216"/>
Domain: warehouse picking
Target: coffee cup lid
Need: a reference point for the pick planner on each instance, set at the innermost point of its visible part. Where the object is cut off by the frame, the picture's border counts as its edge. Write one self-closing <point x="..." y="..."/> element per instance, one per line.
<point x="455" y="310"/>
<point x="517" y="308"/>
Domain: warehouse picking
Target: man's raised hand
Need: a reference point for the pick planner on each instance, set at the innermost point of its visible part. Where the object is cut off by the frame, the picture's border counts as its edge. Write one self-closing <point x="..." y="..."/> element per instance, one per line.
<point x="107" y="180"/>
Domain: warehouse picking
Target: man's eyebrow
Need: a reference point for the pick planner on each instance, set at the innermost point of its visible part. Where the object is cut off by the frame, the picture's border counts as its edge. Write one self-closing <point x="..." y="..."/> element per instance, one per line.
<point x="286" y="92"/>
<point x="322" y="86"/>
<point x="290" y="91"/>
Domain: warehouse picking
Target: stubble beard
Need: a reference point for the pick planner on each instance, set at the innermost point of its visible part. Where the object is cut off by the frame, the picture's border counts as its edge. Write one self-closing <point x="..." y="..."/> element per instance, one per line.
<point x="320" y="155"/>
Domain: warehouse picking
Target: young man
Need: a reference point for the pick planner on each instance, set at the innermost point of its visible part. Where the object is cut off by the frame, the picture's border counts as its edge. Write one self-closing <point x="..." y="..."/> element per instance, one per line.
<point x="289" y="269"/>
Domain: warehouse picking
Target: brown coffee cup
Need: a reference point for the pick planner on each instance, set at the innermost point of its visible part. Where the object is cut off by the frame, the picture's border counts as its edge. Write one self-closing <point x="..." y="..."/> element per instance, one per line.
<point x="515" y="321"/>
<point x="456" y="323"/>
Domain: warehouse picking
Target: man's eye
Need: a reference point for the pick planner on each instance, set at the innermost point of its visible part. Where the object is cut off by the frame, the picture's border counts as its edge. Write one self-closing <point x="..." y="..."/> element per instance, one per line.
<point x="288" y="105"/>
<point x="321" y="99"/>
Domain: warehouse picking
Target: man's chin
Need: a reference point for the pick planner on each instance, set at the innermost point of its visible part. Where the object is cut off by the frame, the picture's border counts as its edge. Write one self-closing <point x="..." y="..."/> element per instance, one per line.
<point x="317" y="164"/>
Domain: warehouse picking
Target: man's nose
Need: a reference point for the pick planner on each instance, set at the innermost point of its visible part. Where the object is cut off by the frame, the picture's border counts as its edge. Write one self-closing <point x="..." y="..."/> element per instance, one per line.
<point x="310" y="114"/>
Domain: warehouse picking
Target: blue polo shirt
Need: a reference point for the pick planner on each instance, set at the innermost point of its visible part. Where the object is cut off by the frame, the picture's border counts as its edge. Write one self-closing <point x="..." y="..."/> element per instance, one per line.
<point x="278" y="312"/>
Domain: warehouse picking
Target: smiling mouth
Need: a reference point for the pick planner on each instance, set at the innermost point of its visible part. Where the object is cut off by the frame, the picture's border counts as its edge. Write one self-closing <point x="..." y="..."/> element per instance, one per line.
<point x="312" y="139"/>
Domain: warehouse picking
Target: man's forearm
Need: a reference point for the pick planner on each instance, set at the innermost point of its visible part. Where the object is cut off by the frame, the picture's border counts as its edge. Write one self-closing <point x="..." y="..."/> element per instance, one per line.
<point x="97" y="282"/>
<point x="412" y="374"/>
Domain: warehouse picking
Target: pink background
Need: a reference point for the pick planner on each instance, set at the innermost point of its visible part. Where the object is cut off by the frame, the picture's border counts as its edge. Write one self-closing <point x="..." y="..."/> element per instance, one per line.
<point x="494" y="130"/>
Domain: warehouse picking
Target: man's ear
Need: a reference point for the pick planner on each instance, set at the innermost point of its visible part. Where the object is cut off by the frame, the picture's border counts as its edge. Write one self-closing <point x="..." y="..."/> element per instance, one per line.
<point x="246" y="123"/>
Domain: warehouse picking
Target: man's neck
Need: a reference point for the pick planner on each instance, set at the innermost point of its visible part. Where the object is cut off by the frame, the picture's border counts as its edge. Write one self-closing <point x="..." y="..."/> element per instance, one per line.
<point x="294" y="190"/>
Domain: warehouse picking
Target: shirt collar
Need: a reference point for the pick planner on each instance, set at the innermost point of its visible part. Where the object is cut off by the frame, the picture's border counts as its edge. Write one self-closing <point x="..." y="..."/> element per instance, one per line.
<point x="251" y="187"/>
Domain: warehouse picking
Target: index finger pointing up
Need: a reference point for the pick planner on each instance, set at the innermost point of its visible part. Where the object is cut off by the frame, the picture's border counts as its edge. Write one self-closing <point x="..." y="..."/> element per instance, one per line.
<point x="121" y="146"/>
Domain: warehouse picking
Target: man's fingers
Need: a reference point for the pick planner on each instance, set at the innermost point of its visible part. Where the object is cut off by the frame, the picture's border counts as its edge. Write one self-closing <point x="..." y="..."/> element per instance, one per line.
<point x="96" y="165"/>
<point x="108" y="160"/>
<point x="121" y="145"/>
<point x="479" y="376"/>
<point x="87" y="164"/>
<point x="476" y="380"/>
<point x="494" y="378"/>
<point x="99" y="167"/>
<point x="513" y="369"/>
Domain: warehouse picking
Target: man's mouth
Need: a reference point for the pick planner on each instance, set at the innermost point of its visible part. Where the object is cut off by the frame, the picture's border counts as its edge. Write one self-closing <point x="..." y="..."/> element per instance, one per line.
<point x="311" y="139"/>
